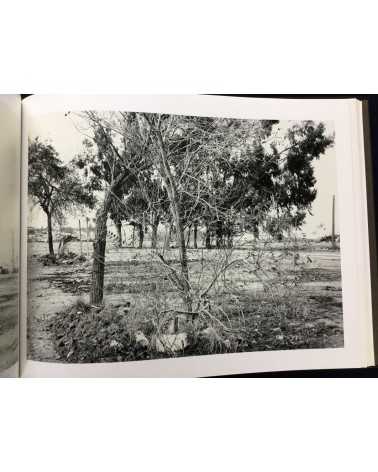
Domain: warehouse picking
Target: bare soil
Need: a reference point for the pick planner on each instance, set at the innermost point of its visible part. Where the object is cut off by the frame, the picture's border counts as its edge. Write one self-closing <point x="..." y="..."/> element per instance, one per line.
<point x="133" y="279"/>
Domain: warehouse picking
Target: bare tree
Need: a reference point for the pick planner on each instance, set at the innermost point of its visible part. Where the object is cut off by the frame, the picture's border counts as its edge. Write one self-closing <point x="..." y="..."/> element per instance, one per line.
<point x="211" y="170"/>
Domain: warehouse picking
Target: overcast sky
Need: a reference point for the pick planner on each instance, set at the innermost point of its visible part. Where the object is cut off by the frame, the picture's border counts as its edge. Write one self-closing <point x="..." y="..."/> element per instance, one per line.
<point x="67" y="140"/>
<point x="10" y="135"/>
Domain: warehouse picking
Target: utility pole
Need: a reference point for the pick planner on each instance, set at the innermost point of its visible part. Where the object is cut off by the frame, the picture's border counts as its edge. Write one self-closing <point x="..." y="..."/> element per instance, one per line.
<point x="81" y="242"/>
<point x="87" y="220"/>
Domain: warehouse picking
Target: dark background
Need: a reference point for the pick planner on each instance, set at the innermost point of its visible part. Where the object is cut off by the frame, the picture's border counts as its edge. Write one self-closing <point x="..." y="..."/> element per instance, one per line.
<point x="372" y="100"/>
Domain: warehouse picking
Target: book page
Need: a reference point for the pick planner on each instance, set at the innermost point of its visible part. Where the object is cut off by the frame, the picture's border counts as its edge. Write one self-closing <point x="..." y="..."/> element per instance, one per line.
<point x="10" y="151"/>
<point x="193" y="236"/>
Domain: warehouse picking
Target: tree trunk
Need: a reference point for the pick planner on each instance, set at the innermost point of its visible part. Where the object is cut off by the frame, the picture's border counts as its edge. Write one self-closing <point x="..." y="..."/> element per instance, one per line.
<point x="208" y="238"/>
<point x="188" y="236"/>
<point x="87" y="221"/>
<point x="167" y="242"/>
<point x="219" y="234"/>
<point x="81" y="242"/>
<point x="229" y="233"/>
<point x="99" y="247"/>
<point x="50" y="235"/>
<point x="155" y="226"/>
<point x="119" y="233"/>
<point x="145" y="228"/>
<point x="170" y="184"/>
<point x="230" y="241"/>
<point x="133" y="237"/>
<point x="180" y="238"/>
<point x="141" y="235"/>
<point x="195" y="234"/>
<point x="63" y="245"/>
<point x="242" y="221"/>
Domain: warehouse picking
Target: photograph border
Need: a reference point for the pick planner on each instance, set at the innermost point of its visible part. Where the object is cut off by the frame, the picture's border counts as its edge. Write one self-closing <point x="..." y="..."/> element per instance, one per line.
<point x="347" y="116"/>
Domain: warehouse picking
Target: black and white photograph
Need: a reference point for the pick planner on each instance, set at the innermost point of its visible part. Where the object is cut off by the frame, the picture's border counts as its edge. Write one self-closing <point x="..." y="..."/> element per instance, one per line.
<point x="153" y="236"/>
<point x="188" y="236"/>
<point x="9" y="232"/>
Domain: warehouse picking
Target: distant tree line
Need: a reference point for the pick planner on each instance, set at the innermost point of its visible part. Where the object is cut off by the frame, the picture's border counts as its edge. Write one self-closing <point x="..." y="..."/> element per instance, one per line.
<point x="223" y="176"/>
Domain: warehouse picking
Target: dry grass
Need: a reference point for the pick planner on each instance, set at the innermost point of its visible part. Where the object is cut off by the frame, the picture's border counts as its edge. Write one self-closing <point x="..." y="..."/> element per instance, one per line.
<point x="267" y="300"/>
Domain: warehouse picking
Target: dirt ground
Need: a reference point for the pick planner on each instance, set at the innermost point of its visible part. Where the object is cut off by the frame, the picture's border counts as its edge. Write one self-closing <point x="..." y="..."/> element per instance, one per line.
<point x="134" y="278"/>
<point x="8" y="321"/>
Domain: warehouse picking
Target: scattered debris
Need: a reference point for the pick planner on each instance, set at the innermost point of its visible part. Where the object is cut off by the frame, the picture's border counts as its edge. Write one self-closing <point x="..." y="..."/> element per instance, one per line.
<point x="130" y="328"/>
<point x="115" y="344"/>
<point x="168" y="343"/>
<point x="47" y="260"/>
<point x="69" y="258"/>
<point x="141" y="341"/>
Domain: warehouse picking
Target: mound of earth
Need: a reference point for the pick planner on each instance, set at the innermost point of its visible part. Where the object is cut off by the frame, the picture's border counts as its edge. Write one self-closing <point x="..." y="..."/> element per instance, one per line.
<point x="86" y="335"/>
<point x="67" y="258"/>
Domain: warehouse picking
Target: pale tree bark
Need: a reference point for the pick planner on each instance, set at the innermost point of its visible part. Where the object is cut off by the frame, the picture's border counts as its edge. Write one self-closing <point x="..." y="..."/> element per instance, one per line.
<point x="118" y="226"/>
<point x="133" y="237"/>
<point x="180" y="238"/>
<point x="170" y="184"/>
<point x="168" y="233"/>
<point x="188" y="236"/>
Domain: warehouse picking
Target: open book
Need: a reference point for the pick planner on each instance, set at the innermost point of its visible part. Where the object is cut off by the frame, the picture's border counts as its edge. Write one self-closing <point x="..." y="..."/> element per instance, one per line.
<point x="184" y="236"/>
